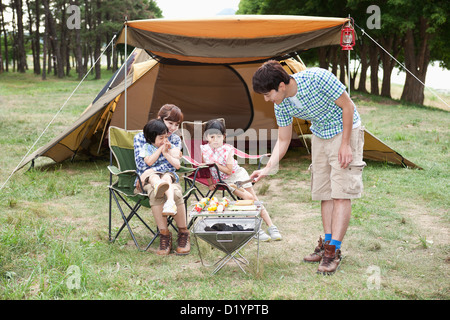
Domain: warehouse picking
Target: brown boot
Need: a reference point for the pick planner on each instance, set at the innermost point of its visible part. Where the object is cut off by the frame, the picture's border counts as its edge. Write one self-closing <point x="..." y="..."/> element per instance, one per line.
<point x="165" y="242"/>
<point x="184" y="244"/>
<point x="330" y="261"/>
<point x="316" y="256"/>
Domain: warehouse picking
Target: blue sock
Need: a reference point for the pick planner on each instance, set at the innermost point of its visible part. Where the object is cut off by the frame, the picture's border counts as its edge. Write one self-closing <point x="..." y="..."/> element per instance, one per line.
<point x="327" y="237"/>
<point x="335" y="243"/>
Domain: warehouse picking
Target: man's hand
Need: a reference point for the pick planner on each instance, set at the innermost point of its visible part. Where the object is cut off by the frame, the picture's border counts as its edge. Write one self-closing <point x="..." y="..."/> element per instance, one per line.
<point x="345" y="156"/>
<point x="258" y="174"/>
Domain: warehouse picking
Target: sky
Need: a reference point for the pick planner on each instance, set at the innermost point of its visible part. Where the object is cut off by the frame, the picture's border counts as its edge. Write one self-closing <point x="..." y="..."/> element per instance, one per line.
<point x="175" y="9"/>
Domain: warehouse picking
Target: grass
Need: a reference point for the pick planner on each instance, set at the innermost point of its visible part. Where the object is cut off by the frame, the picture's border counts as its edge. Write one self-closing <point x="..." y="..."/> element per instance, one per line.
<point x="54" y="219"/>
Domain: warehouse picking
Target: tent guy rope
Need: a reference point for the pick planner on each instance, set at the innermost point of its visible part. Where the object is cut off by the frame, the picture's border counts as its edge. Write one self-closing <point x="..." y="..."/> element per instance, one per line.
<point x="402" y="65"/>
<point x="57" y="113"/>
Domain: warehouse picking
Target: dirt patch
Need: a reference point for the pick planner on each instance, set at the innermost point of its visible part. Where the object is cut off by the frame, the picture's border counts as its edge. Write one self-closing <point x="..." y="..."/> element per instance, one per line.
<point x="362" y="109"/>
<point x="430" y="224"/>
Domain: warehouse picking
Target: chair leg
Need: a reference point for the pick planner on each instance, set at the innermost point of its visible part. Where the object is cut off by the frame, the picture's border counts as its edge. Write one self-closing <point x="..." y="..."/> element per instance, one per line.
<point x="110" y="215"/>
<point x="126" y="219"/>
<point x="186" y="197"/>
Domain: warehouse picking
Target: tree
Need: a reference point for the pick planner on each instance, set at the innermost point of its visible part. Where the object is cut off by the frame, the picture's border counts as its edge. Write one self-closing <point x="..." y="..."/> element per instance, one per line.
<point x="422" y="31"/>
<point x="99" y="19"/>
<point x="414" y="32"/>
<point x="2" y="29"/>
<point x="19" y="39"/>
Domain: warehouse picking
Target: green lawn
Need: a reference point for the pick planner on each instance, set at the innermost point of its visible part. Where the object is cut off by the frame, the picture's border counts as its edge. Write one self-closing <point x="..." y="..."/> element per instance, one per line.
<point x="54" y="219"/>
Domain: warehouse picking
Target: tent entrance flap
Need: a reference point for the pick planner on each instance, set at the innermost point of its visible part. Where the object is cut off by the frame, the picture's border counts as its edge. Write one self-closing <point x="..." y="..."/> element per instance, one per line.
<point x="204" y="92"/>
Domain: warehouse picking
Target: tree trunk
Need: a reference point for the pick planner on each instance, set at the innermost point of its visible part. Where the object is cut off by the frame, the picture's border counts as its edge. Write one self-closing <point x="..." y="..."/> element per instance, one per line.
<point x="364" y="65"/>
<point x="1" y="24"/>
<point x="333" y="59"/>
<point x="34" y="44"/>
<point x="78" y="48"/>
<point x="416" y="61"/>
<point x="63" y="43"/>
<point x="374" y="65"/>
<point x="98" y="41"/>
<point x="323" y="61"/>
<point x="37" y="39"/>
<point x="5" y="39"/>
<point x="393" y="46"/>
<point x="44" y="49"/>
<point x="20" y="44"/>
<point x="53" y="41"/>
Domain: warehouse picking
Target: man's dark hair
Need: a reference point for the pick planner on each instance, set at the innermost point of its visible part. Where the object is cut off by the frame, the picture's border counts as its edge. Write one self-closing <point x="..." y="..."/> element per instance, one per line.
<point x="154" y="128"/>
<point x="269" y="76"/>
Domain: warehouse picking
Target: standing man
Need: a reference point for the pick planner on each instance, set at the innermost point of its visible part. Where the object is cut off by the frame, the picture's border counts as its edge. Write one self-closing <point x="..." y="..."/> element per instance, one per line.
<point x="337" y="146"/>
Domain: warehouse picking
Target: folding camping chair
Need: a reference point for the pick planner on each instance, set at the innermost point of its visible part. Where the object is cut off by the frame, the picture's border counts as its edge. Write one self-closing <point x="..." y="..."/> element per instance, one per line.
<point x="122" y="190"/>
<point x="192" y="134"/>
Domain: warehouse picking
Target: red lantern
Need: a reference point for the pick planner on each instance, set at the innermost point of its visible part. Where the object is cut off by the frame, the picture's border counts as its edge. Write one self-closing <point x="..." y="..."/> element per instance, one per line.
<point x="348" y="36"/>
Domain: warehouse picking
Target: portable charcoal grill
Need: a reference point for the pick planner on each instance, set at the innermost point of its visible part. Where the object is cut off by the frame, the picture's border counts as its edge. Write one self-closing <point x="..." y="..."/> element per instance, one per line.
<point x="229" y="232"/>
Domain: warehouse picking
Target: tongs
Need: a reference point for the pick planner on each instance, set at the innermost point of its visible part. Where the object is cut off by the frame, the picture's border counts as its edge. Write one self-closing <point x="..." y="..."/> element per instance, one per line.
<point x="239" y="184"/>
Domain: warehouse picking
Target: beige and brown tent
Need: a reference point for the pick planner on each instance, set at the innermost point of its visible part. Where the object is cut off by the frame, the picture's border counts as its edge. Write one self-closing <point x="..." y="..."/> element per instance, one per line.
<point x="205" y="67"/>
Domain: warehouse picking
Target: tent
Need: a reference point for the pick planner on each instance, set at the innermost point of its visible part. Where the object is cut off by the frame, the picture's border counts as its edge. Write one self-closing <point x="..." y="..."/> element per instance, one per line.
<point x="205" y="67"/>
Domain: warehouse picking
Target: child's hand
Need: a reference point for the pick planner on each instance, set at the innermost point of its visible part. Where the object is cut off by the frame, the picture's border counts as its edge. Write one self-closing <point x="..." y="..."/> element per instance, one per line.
<point x="166" y="147"/>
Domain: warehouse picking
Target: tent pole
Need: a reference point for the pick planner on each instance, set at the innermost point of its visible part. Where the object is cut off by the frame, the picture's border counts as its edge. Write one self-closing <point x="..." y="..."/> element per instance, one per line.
<point x="349" y="80"/>
<point x="125" y="73"/>
<point x="348" y="70"/>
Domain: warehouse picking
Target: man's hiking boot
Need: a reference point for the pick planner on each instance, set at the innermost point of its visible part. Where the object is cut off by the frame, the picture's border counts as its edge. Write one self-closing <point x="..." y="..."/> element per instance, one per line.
<point x="316" y="256"/>
<point x="330" y="260"/>
<point x="165" y="243"/>
<point x="184" y="245"/>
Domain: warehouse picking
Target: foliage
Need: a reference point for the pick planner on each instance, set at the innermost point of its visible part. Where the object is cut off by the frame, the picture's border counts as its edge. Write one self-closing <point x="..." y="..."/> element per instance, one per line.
<point x="99" y="21"/>
<point x="397" y="18"/>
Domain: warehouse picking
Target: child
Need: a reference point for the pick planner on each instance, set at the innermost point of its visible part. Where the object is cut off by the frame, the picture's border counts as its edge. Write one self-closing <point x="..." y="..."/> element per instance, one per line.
<point x="222" y="155"/>
<point x="160" y="173"/>
<point x="172" y="117"/>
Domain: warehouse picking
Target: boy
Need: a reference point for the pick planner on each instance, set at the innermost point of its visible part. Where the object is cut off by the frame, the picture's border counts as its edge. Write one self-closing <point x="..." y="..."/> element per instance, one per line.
<point x="162" y="166"/>
<point x="156" y="165"/>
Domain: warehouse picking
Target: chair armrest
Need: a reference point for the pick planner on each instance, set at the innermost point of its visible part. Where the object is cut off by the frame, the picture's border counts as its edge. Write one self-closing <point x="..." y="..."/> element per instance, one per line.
<point x="184" y="170"/>
<point x="125" y="179"/>
<point x="116" y="171"/>
<point x="266" y="155"/>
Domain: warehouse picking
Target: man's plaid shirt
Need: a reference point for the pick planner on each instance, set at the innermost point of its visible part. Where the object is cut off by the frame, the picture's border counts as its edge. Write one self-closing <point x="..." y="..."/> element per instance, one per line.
<point x="160" y="165"/>
<point x="317" y="91"/>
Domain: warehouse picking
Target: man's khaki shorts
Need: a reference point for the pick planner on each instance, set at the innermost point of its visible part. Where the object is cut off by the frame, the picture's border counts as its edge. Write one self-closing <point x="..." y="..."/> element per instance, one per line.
<point x="328" y="179"/>
<point x="178" y="193"/>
